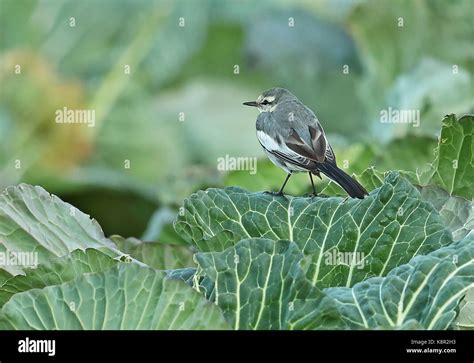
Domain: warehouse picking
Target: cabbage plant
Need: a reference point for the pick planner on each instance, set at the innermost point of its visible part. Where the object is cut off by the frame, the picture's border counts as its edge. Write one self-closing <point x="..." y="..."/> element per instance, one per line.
<point x="402" y="258"/>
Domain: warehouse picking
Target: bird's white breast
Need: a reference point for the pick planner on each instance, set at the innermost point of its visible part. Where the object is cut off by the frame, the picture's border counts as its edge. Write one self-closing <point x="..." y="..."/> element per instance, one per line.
<point x="270" y="144"/>
<point x="267" y="141"/>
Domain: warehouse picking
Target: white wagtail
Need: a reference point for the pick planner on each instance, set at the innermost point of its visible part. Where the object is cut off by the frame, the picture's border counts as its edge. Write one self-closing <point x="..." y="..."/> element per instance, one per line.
<point x="294" y="140"/>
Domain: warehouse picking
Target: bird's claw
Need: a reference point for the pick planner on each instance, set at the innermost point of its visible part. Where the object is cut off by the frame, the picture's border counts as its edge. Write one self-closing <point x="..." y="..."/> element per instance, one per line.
<point x="274" y="194"/>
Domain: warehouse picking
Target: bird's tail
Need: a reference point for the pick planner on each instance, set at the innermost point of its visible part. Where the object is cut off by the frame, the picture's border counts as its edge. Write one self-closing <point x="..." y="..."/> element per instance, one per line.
<point x="349" y="184"/>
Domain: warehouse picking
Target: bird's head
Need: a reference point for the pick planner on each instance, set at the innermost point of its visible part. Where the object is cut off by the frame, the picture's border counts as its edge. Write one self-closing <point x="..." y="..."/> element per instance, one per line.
<point x="269" y="100"/>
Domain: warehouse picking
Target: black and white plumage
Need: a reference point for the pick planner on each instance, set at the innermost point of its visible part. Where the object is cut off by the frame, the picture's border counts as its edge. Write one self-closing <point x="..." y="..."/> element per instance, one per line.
<point x="294" y="140"/>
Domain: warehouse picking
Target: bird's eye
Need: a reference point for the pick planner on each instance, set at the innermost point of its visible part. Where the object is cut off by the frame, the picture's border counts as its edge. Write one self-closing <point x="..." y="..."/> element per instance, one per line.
<point x="265" y="102"/>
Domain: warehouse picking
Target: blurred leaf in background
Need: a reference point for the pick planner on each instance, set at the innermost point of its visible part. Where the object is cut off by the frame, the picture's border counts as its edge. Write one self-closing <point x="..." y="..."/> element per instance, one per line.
<point x="416" y="55"/>
<point x="31" y="142"/>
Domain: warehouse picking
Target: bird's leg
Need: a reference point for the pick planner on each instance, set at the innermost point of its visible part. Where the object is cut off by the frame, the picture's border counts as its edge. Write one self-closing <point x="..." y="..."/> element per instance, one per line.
<point x="312" y="183"/>
<point x="284" y="183"/>
<point x="280" y="192"/>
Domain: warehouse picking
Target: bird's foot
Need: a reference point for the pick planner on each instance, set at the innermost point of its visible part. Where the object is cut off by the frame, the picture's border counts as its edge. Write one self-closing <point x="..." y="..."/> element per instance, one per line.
<point x="310" y="195"/>
<point x="274" y="194"/>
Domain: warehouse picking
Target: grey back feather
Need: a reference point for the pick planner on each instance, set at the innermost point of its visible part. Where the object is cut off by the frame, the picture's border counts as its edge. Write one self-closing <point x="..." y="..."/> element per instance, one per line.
<point x="298" y="127"/>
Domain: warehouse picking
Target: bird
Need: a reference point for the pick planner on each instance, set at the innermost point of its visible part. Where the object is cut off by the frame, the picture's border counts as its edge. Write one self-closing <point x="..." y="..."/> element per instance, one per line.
<point x="294" y="140"/>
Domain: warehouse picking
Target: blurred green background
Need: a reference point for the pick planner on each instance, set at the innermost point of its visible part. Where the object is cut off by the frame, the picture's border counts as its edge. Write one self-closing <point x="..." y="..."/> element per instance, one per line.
<point x="347" y="60"/>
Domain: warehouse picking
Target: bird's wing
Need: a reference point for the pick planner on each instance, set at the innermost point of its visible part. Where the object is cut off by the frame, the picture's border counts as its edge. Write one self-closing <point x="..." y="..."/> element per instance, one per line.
<point x="304" y="134"/>
<point x="315" y="149"/>
<point x="330" y="155"/>
<point x="299" y="139"/>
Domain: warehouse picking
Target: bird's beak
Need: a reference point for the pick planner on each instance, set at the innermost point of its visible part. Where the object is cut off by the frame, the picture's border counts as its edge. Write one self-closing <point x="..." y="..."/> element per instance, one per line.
<point x="251" y="103"/>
